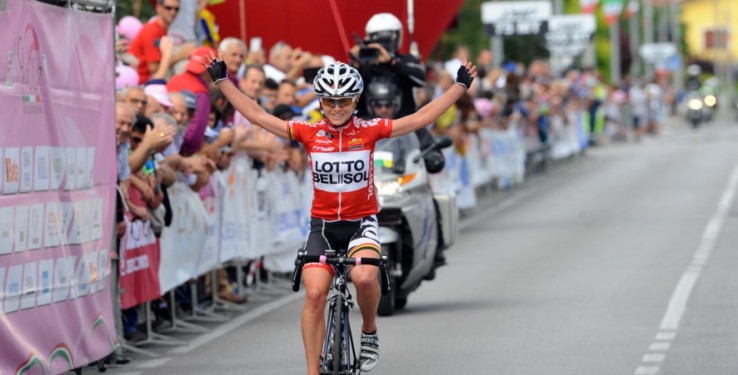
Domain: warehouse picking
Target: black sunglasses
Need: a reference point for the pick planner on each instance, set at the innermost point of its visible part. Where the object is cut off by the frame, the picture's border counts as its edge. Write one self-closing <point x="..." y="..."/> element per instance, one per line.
<point x="171" y="8"/>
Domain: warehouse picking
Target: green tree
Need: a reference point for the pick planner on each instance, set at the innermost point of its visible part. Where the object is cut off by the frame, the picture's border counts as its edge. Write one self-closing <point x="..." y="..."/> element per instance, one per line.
<point x="125" y="8"/>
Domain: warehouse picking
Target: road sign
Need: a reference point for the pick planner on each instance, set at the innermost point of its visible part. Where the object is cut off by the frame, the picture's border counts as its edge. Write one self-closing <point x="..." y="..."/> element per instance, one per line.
<point x="657" y="53"/>
<point x="515" y="18"/>
<point x="569" y="35"/>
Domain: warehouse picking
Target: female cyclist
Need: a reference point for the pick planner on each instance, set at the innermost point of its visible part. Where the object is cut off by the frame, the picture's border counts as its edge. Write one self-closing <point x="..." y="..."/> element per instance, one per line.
<point x="343" y="216"/>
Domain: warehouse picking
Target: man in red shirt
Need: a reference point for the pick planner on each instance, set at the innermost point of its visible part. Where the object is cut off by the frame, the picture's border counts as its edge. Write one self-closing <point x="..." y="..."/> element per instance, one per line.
<point x="194" y="79"/>
<point x="146" y="44"/>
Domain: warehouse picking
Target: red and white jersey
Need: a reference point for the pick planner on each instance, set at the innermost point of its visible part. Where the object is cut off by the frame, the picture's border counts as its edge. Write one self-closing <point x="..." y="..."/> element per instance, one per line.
<point x="342" y="163"/>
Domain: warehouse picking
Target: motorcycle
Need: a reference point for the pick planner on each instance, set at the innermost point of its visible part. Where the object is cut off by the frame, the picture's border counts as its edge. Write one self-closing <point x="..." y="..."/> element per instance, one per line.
<point x="413" y="223"/>
<point x="696" y="109"/>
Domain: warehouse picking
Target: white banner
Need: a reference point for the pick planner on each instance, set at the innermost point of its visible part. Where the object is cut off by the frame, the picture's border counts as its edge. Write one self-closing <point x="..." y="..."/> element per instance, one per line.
<point x="237" y="187"/>
<point x="183" y="241"/>
<point x="212" y="203"/>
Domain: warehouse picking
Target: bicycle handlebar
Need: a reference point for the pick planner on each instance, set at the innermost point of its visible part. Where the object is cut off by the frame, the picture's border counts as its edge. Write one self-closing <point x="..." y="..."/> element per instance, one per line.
<point x="303" y="259"/>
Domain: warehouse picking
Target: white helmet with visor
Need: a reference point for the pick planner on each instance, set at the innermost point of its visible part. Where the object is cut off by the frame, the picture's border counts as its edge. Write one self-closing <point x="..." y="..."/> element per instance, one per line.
<point x="338" y="80"/>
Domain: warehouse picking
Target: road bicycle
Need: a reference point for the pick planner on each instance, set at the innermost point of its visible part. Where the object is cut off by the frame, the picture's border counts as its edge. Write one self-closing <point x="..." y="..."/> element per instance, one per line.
<point x="339" y="353"/>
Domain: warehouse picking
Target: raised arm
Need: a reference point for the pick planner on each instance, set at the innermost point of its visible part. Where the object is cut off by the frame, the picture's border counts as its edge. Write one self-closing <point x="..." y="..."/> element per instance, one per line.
<point x="248" y="108"/>
<point x="431" y="111"/>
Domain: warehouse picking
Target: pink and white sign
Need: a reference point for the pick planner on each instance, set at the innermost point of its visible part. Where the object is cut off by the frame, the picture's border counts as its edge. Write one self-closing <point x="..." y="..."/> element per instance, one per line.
<point x="57" y="187"/>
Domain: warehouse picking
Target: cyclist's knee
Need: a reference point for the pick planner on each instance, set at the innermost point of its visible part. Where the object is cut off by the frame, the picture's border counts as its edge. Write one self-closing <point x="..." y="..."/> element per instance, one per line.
<point x="365" y="277"/>
<point x="315" y="298"/>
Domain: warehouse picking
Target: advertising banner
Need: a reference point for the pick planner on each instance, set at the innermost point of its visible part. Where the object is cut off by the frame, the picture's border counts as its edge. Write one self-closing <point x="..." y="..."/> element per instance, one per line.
<point x="182" y="242"/>
<point x="139" y="264"/>
<point x="57" y="187"/>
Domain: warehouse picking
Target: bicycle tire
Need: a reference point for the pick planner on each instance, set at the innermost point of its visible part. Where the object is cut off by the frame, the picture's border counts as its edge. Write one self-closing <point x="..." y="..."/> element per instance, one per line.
<point x="338" y="334"/>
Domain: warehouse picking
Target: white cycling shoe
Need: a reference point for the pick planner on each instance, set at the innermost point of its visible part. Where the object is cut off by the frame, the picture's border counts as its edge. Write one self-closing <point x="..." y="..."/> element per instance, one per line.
<point x="369" y="352"/>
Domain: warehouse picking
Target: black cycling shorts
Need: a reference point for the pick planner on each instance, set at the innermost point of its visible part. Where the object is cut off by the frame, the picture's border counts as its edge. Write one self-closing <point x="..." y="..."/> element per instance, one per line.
<point x="351" y="235"/>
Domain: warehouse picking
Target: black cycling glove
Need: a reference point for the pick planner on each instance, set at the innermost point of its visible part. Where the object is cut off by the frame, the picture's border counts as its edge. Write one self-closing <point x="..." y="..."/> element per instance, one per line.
<point x="217" y="70"/>
<point x="464" y="77"/>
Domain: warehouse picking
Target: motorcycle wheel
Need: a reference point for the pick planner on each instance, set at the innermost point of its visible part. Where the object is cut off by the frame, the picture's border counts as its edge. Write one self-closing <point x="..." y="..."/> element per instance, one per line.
<point x="387" y="304"/>
<point x="400" y="303"/>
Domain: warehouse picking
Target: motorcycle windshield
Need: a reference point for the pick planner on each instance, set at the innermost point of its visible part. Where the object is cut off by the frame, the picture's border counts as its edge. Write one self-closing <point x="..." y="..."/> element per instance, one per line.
<point x="390" y="154"/>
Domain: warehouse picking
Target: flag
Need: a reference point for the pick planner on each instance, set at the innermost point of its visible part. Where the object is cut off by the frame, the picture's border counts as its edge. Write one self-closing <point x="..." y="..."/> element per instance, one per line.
<point x="612" y="10"/>
<point x="588" y="6"/>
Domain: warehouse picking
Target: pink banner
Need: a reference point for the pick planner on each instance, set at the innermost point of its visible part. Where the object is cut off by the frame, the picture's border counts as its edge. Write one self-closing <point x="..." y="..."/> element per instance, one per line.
<point x="57" y="187"/>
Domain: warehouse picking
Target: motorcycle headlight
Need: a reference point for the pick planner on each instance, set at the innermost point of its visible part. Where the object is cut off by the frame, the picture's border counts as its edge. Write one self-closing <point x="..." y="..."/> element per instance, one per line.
<point x="694" y="104"/>
<point x="710" y="100"/>
<point x="393" y="187"/>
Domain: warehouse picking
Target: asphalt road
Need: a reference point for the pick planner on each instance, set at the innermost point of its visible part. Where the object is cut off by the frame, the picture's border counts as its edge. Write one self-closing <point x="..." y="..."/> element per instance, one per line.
<point x="621" y="262"/>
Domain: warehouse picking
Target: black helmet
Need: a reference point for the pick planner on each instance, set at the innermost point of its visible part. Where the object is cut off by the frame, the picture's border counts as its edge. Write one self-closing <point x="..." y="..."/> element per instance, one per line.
<point x="383" y="90"/>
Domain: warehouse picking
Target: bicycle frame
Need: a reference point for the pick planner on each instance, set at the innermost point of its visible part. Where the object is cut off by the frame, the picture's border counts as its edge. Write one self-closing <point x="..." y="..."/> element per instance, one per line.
<point x="339" y="351"/>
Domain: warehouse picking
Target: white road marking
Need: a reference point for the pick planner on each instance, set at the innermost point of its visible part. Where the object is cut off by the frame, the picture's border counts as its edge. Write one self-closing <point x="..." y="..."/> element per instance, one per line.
<point x="660" y="346"/>
<point x="665" y="336"/>
<point x="647" y="370"/>
<point x="654" y="357"/>
<point x="680" y="298"/>
<point x="153" y="363"/>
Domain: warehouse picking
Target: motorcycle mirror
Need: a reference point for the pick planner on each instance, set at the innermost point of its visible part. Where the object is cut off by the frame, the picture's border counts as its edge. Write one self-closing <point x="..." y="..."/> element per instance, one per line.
<point x="443" y="142"/>
<point x="438" y="144"/>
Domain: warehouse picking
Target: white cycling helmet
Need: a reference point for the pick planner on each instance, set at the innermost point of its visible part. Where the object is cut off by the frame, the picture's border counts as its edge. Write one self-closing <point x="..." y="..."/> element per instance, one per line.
<point x="385" y="29"/>
<point x="338" y="80"/>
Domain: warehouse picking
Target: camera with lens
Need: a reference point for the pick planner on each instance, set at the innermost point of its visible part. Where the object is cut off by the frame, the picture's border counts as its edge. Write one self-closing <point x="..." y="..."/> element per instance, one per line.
<point x="368" y="55"/>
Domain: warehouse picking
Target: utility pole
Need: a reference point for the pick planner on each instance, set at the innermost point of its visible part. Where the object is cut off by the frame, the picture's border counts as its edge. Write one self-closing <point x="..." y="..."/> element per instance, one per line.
<point x="716" y="39"/>
<point x="663" y="11"/>
<point x="635" y="42"/>
<point x="648" y="31"/>
<point x="615" y="53"/>
<point x="676" y="32"/>
<point x="558" y="7"/>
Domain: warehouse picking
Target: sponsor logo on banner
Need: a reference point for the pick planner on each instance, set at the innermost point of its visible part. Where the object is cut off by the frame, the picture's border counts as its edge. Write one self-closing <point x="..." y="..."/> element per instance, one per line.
<point x="62" y="272"/>
<point x="26" y="183"/>
<point x="13" y="289"/>
<point x="81" y="182"/>
<point x="35" y="226"/>
<point x="53" y="221"/>
<point x="6" y="229"/>
<point x="57" y="167"/>
<point x="341" y="172"/>
<point x="90" y="167"/>
<point x="28" y="299"/>
<point x="71" y="168"/>
<point x="21" y="228"/>
<point x="11" y="163"/>
<point x="43" y="177"/>
<point x="45" y="269"/>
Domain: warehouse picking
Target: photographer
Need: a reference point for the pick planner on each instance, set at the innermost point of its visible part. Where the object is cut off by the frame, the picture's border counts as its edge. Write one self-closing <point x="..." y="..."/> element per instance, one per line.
<point x="377" y="56"/>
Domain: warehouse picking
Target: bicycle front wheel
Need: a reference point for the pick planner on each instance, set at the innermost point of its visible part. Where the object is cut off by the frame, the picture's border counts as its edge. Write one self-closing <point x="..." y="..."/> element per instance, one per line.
<point x="338" y="355"/>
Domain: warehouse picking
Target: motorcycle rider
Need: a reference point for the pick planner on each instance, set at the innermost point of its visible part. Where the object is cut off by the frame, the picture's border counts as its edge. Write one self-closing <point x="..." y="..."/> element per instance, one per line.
<point x="378" y="58"/>
<point x="383" y="100"/>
